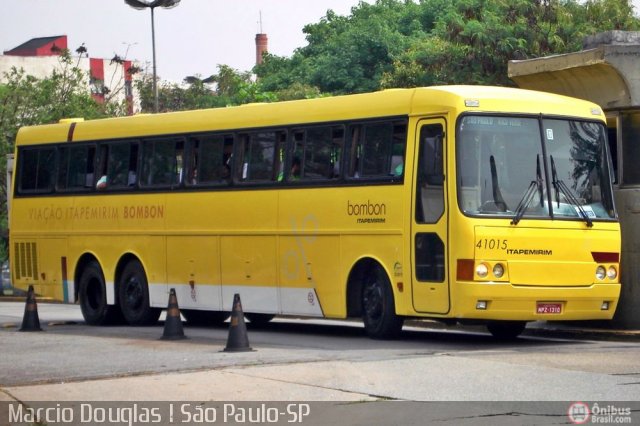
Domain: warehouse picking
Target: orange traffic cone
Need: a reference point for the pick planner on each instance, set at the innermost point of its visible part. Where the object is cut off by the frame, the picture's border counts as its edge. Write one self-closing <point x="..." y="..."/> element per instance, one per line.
<point x="238" y="341"/>
<point x="30" y="320"/>
<point x="173" y="324"/>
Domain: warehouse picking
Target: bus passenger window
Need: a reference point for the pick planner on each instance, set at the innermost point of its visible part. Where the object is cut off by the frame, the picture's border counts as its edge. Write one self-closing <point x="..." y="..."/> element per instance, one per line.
<point x="76" y="168"/>
<point x="37" y="170"/>
<point x="259" y="156"/>
<point x="210" y="159"/>
<point x="377" y="149"/>
<point x="317" y="153"/>
<point x="161" y="162"/>
<point x="121" y="170"/>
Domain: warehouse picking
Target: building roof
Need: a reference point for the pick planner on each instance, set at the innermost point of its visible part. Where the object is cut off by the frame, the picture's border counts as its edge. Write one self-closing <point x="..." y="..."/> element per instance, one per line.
<point x="33" y="44"/>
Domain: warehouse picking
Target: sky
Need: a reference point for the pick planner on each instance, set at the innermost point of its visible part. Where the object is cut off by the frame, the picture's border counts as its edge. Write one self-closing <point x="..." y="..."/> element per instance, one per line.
<point x="191" y="39"/>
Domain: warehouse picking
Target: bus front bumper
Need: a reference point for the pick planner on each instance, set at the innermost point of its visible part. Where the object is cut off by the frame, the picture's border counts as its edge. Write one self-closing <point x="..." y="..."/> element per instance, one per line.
<point x="492" y="301"/>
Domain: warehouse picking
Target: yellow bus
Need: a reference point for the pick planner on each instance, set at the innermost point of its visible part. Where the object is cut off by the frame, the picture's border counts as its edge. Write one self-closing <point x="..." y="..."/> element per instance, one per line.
<point x="463" y="203"/>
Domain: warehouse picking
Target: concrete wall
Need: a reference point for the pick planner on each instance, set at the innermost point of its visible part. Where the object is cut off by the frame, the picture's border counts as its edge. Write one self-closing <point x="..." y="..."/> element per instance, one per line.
<point x="628" y="204"/>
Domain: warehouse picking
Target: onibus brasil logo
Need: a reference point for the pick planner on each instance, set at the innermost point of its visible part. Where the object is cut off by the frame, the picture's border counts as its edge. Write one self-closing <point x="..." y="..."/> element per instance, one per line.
<point x="579" y="413"/>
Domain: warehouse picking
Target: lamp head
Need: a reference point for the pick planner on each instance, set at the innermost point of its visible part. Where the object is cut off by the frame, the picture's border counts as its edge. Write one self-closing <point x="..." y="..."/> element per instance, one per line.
<point x="143" y="4"/>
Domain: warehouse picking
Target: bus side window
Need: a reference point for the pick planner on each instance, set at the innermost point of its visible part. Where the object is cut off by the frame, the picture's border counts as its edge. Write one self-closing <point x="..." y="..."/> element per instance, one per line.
<point x="377" y="149"/>
<point x="210" y="159"/>
<point x="259" y="156"/>
<point x="317" y="153"/>
<point x="162" y="162"/>
<point x="121" y="170"/>
<point x="37" y="171"/>
<point x="75" y="167"/>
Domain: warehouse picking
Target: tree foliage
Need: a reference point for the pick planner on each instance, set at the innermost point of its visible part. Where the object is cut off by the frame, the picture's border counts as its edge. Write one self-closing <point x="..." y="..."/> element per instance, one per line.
<point x="404" y="43"/>
<point x="395" y="43"/>
<point x="225" y="88"/>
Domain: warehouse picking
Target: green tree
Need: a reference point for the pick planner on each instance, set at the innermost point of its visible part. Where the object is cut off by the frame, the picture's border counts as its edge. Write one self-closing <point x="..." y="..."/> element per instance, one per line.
<point x="225" y="88"/>
<point x="481" y="36"/>
<point x="395" y="43"/>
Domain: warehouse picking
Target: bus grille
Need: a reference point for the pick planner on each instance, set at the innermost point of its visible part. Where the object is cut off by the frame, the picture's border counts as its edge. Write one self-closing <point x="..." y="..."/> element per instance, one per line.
<point x="26" y="261"/>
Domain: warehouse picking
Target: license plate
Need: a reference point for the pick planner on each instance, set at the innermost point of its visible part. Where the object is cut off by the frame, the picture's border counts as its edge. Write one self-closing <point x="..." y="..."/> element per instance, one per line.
<point x="549" y="308"/>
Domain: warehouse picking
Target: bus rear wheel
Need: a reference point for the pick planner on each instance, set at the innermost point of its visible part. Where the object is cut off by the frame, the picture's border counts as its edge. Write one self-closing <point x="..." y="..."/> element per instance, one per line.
<point x="506" y="330"/>
<point x="259" y="320"/>
<point x="93" y="297"/>
<point x="378" y="308"/>
<point x="134" y="296"/>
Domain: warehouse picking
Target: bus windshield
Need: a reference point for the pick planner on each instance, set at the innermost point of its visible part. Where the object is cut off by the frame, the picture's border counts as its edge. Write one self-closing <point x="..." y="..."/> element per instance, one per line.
<point x="533" y="167"/>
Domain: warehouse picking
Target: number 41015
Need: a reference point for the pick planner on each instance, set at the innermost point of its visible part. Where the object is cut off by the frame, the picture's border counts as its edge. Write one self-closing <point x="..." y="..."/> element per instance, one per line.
<point x="491" y="244"/>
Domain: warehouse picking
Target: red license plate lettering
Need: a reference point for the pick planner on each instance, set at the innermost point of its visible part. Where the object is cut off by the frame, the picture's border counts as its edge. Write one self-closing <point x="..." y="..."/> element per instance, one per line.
<point x="549" y="308"/>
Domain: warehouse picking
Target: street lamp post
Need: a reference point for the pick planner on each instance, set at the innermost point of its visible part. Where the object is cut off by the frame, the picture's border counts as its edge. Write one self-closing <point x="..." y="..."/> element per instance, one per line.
<point x="152" y="4"/>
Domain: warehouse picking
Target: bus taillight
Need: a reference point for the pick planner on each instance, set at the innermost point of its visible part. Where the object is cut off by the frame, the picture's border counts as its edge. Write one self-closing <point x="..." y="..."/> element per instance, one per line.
<point x="465" y="269"/>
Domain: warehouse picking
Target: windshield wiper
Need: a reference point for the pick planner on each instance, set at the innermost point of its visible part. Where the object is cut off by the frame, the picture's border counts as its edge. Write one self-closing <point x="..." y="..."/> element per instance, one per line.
<point x="498" y="200"/>
<point x="536" y="184"/>
<point x="562" y="187"/>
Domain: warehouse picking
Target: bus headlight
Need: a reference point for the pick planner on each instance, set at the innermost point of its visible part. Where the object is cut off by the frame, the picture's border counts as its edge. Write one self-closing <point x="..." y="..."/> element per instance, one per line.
<point x="612" y="273"/>
<point x="601" y="272"/>
<point x="482" y="270"/>
<point x="498" y="270"/>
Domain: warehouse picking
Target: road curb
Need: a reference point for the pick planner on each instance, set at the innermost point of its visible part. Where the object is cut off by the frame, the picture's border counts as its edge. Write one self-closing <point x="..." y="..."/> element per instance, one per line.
<point x="584" y="333"/>
<point x="541" y="329"/>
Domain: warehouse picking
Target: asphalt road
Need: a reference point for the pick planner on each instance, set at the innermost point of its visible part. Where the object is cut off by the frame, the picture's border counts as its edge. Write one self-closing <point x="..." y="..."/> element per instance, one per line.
<point x="305" y="360"/>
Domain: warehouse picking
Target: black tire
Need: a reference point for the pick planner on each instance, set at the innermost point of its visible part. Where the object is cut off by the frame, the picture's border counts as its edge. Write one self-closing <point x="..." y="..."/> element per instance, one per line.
<point x="133" y="293"/>
<point x="259" y="320"/>
<point x="92" y="293"/>
<point x="378" y="308"/>
<point x="205" y="318"/>
<point x="506" y="330"/>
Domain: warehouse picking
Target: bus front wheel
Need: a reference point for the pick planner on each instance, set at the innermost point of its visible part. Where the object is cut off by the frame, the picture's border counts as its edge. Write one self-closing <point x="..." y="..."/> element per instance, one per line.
<point x="134" y="296"/>
<point x="506" y="330"/>
<point x="93" y="297"/>
<point x="378" y="308"/>
<point x="259" y="320"/>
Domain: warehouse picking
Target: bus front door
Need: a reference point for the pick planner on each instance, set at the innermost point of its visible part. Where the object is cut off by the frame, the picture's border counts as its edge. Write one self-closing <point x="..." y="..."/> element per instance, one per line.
<point x="430" y="289"/>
